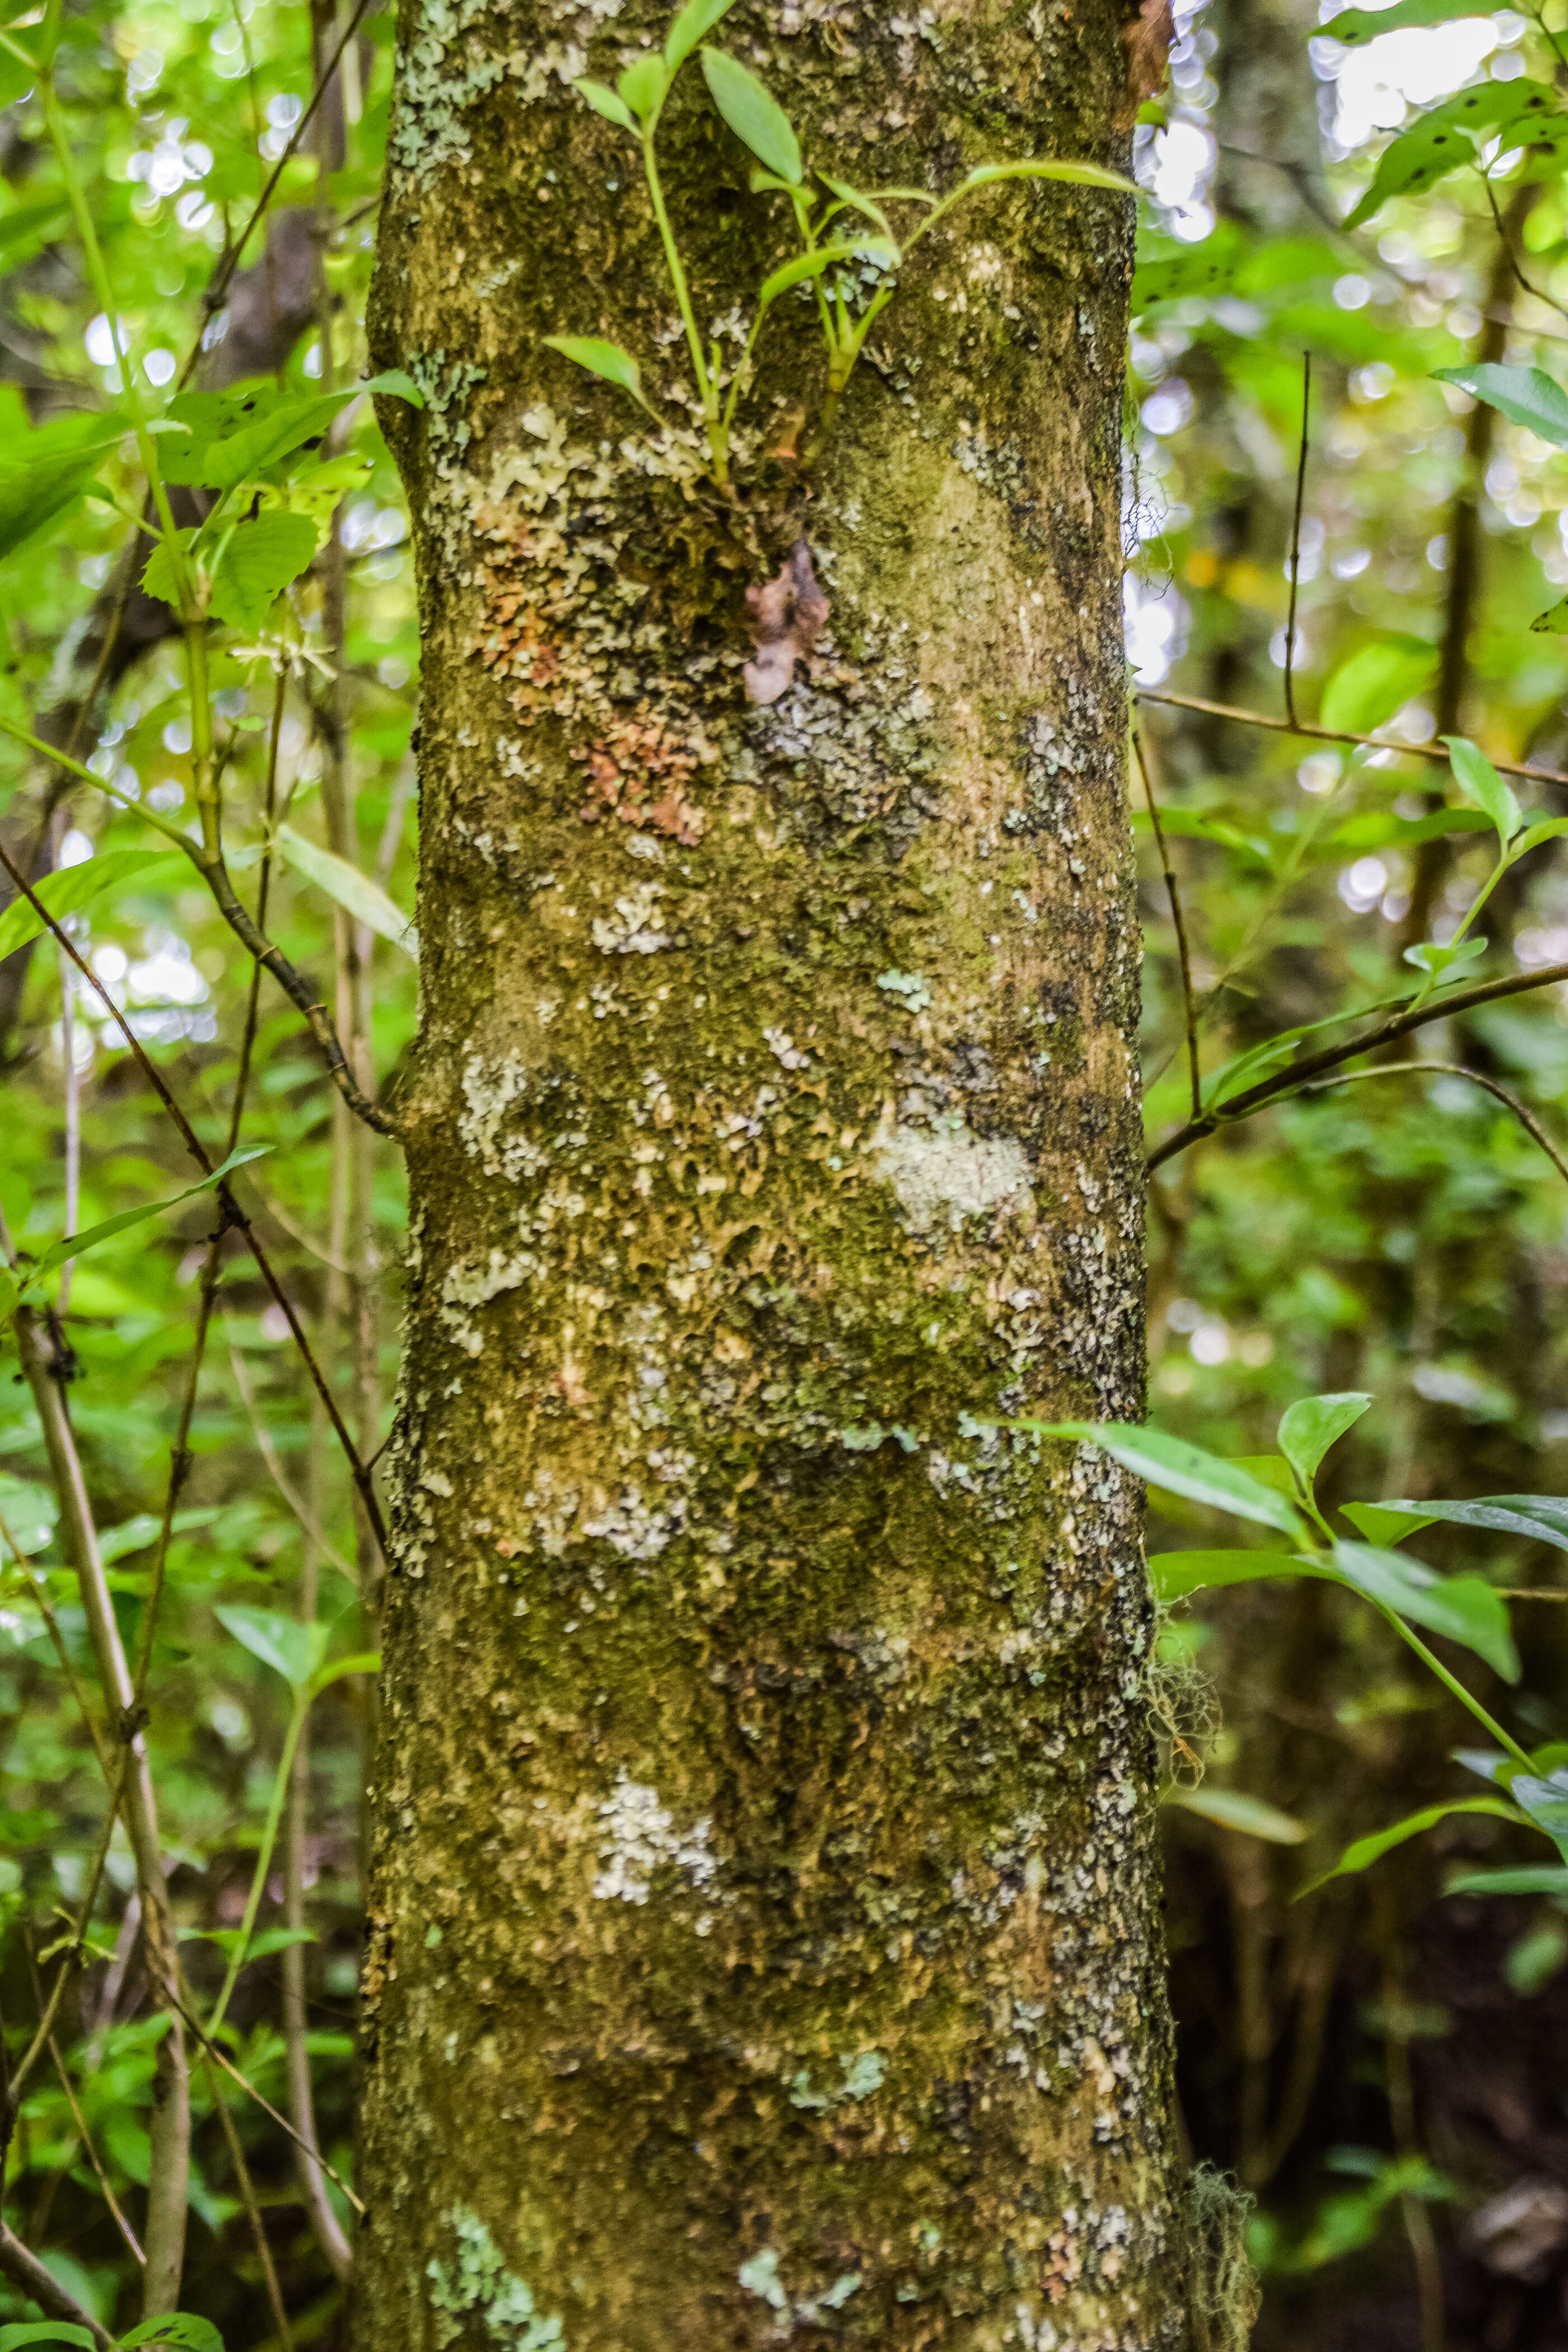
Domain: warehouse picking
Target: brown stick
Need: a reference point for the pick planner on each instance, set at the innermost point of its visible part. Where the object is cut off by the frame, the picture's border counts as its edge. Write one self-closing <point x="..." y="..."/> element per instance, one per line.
<point x="1189" y="1006"/>
<point x="1336" y="735"/>
<point x="1400" y="1025"/>
<point x="1296" y="539"/>
<point x="1526" y="1117"/>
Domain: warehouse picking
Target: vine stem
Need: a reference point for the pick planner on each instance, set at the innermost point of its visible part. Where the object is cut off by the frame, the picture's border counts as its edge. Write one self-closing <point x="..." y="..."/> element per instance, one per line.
<point x="1189" y="1005"/>
<point x="1452" y="1683"/>
<point x="1273" y="725"/>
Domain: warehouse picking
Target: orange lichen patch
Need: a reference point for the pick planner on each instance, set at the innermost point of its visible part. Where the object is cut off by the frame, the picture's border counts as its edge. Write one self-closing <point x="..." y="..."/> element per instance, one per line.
<point x="638" y="769"/>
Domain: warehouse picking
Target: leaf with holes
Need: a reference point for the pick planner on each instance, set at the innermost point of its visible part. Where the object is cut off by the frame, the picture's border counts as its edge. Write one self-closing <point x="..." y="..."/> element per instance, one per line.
<point x="258" y="560"/>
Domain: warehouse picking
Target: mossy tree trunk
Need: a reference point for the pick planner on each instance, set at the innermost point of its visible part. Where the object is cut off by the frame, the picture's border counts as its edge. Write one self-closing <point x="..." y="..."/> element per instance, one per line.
<point x="764" y="1936"/>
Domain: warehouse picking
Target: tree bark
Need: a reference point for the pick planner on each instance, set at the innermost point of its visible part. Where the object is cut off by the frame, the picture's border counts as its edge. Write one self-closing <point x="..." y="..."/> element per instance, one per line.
<point x="763" y="1929"/>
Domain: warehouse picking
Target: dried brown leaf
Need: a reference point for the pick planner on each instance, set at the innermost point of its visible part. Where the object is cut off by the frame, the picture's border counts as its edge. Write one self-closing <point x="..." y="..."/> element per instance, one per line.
<point x="1147" y="41"/>
<point x="787" y="617"/>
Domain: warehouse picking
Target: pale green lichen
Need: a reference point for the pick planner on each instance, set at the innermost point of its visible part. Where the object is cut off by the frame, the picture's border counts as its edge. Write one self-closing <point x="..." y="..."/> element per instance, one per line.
<point x="479" y="2284"/>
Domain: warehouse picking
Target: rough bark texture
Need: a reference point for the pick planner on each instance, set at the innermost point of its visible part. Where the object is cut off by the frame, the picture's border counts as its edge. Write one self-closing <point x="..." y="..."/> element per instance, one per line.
<point x="763" y="1939"/>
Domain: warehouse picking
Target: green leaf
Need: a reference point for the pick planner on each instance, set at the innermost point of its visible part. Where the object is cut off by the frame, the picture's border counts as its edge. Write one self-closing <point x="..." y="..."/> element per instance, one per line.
<point x="27" y="227"/>
<point x="1313" y="1424"/>
<point x="643" y="86"/>
<point x="290" y="1649"/>
<point x="1381" y="829"/>
<point x="1463" y="1609"/>
<point x="176" y="2328"/>
<point x="1372" y="684"/>
<point x="1429" y="957"/>
<point x="240" y="436"/>
<point x="1546" y="1802"/>
<point x="1176" y="1574"/>
<point x="1083" y="175"/>
<point x="693" y="25"/>
<point x="1233" y="1809"/>
<point x="66" y="891"/>
<point x="365" y="900"/>
<point x="867" y="207"/>
<point x="827" y="256"/>
<point x="1413" y="161"/>
<point x="43" y="2331"/>
<point x="1554" y="619"/>
<point x="1550" y="828"/>
<point x="1181" y="1469"/>
<point x="158" y="575"/>
<point x="600" y="357"/>
<point x="1356" y="25"/>
<point x="29" y="1513"/>
<point x="1445" y="138"/>
<point x="1534" y="1878"/>
<point x="1385" y="1523"/>
<point x="259" y="558"/>
<point x="1194" y="269"/>
<point x="392" y="384"/>
<point x="43" y="473"/>
<point x="1543" y="1518"/>
<point x="363" y="1662"/>
<point x="1525" y="396"/>
<point x="1362" y="1853"/>
<point x="757" y="120"/>
<point x="77" y="1244"/>
<point x="1475" y="774"/>
<point x="605" y="102"/>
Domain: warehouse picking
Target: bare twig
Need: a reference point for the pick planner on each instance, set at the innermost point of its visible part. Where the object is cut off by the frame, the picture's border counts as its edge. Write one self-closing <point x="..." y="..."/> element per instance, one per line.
<point x="276" y="1472"/>
<point x="1398" y="1024"/>
<point x="29" y="2274"/>
<point x="1525" y="1116"/>
<point x="1189" y="1007"/>
<point x="1243" y="717"/>
<point x="211" y="2050"/>
<point x="1295" y="538"/>
<point x="248" y="2198"/>
<point x="109" y="2199"/>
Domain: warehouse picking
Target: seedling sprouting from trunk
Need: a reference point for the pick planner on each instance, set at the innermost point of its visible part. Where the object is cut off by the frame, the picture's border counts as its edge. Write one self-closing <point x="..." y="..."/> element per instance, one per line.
<point x="840" y="228"/>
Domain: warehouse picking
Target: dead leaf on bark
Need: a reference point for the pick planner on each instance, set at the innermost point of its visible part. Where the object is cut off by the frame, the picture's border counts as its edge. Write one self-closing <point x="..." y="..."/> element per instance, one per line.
<point x="1147" y="41"/>
<point x="787" y="617"/>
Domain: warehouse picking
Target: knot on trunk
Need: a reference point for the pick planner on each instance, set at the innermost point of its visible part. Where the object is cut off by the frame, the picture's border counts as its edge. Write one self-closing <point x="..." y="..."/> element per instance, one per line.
<point x="787" y="617"/>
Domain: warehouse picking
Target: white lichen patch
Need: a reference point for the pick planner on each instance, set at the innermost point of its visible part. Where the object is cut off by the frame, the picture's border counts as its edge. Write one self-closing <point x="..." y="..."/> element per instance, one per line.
<point x="489" y="1093"/>
<point x="944" y="1174"/>
<point x="639" y="1836"/>
<point x="633" y="929"/>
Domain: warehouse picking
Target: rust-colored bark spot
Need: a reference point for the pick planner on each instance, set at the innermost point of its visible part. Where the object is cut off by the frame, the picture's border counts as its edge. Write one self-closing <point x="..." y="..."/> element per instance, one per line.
<point x="638" y="769"/>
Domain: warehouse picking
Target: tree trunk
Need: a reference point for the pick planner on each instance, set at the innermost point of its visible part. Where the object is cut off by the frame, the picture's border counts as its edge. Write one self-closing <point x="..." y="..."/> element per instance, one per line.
<point x="763" y="1932"/>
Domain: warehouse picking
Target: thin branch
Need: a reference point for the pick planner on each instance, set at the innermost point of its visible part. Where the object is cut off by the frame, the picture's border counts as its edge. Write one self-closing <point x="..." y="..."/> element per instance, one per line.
<point x="109" y="2199"/>
<point x="211" y="2050"/>
<point x="1189" y="1007"/>
<point x="233" y="1213"/>
<point x="248" y="2198"/>
<point x="1525" y="1116"/>
<point x="276" y="1471"/>
<point x="1295" y="538"/>
<point x="1336" y="735"/>
<point x="1398" y="1024"/>
<point x="30" y="2277"/>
